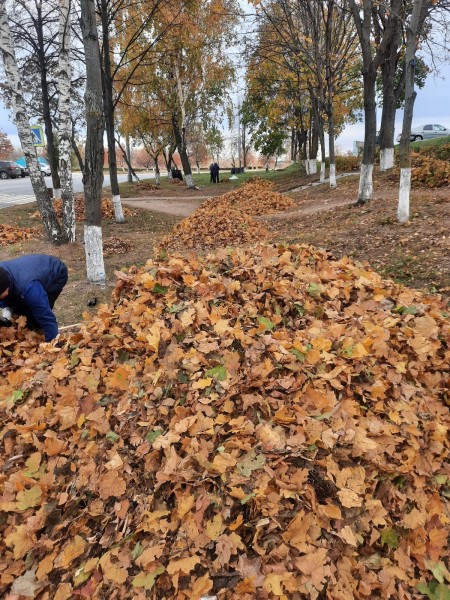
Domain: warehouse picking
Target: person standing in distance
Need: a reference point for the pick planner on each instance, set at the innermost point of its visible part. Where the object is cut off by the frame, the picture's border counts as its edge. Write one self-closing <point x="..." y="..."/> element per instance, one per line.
<point x="29" y="286"/>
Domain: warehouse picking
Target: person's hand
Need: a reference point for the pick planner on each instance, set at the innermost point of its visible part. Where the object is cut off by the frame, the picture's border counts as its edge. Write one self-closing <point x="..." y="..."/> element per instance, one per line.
<point x="6" y="314"/>
<point x="5" y="317"/>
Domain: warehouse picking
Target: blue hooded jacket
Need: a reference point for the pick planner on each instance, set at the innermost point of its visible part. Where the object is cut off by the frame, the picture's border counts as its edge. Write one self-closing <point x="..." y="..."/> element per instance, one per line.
<point x="35" y="282"/>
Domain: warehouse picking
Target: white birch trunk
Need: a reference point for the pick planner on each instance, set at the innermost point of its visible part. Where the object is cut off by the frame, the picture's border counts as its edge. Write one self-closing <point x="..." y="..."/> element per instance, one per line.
<point x="386" y="159"/>
<point x="65" y="124"/>
<point x="312" y="166"/>
<point x="365" y="183"/>
<point x="322" y="172"/>
<point x="403" y="196"/>
<point x="93" y="248"/>
<point x="333" y="182"/>
<point x="157" y="178"/>
<point x="306" y="163"/>
<point x="13" y="88"/>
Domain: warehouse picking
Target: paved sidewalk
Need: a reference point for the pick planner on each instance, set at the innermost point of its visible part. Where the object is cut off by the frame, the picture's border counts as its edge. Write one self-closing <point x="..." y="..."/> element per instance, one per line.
<point x="314" y="183"/>
<point x="7" y="200"/>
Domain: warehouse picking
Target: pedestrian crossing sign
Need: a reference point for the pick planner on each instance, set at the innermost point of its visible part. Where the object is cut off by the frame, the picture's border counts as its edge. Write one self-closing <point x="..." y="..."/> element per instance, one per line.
<point x="38" y="136"/>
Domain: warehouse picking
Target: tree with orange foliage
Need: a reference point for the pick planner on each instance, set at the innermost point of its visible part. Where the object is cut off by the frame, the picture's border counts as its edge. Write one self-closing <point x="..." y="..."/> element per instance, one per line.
<point x="5" y="146"/>
<point x="189" y="73"/>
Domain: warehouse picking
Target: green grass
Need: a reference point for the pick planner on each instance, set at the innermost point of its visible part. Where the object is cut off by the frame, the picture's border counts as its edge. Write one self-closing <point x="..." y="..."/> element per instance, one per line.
<point x="127" y="190"/>
<point x="436" y="142"/>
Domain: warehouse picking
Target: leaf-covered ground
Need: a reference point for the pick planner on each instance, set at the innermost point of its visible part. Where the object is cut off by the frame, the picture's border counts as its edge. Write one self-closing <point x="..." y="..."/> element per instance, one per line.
<point x="107" y="209"/>
<point x="13" y="235"/>
<point x="255" y="423"/>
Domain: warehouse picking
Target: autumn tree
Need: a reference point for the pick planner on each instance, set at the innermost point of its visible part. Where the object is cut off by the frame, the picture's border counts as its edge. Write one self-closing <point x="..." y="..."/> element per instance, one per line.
<point x="34" y="26"/>
<point x="214" y="142"/>
<point x="309" y="46"/>
<point x="5" y="146"/>
<point x="13" y="85"/>
<point x="189" y="79"/>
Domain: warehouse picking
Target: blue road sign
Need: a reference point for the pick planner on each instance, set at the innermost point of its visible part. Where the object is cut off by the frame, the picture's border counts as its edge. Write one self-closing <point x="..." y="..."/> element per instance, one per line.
<point x="38" y="135"/>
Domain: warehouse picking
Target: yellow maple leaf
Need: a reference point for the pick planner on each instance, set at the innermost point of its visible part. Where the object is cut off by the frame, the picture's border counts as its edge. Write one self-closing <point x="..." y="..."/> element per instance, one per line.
<point x="183" y="565"/>
<point x="214" y="527"/>
<point x="28" y="498"/>
<point x="22" y="540"/>
<point x="111" y="571"/>
<point x="73" y="550"/>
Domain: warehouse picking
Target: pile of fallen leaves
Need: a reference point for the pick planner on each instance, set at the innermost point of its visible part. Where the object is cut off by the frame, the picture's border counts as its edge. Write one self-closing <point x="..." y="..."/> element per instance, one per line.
<point x="107" y="209"/>
<point x="427" y="171"/>
<point x="227" y="219"/>
<point x="116" y="245"/>
<point x="261" y="423"/>
<point x="147" y="186"/>
<point x="255" y="197"/>
<point x="14" y="235"/>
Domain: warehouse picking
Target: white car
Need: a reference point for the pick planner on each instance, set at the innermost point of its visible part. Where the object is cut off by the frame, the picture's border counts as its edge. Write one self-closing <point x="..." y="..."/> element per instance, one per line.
<point x="45" y="170"/>
<point x="427" y="132"/>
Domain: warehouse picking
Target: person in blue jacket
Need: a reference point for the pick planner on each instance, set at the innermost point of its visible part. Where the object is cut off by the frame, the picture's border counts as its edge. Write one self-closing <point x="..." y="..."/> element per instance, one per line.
<point x="29" y="286"/>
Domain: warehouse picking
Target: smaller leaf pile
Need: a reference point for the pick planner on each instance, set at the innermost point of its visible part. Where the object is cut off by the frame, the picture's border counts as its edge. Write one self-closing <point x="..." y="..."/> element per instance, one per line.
<point x="107" y="209"/>
<point x="146" y="186"/>
<point x="227" y="220"/>
<point x="427" y="171"/>
<point x="13" y="235"/>
<point x="116" y="245"/>
<point x="255" y="197"/>
<point x="258" y="423"/>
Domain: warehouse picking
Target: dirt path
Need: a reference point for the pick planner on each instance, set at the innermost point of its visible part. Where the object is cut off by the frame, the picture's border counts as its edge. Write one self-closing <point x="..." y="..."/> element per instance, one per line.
<point x="184" y="206"/>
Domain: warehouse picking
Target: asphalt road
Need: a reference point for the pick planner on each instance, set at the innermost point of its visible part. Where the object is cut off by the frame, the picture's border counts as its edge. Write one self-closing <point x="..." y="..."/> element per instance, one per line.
<point x="19" y="191"/>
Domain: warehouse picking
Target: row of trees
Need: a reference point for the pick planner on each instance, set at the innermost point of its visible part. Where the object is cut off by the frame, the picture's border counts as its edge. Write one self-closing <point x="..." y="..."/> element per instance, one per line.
<point x="152" y="70"/>
<point x="307" y="65"/>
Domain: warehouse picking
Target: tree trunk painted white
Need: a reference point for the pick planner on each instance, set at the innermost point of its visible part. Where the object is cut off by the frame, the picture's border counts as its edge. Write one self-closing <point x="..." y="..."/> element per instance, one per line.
<point x="157" y="178"/>
<point x="333" y="183"/>
<point x="118" y="213"/>
<point x="95" y="154"/>
<point x="418" y="15"/>
<point x="312" y="166"/>
<point x="189" y="180"/>
<point x="93" y="244"/>
<point x="65" y="124"/>
<point x="365" y="184"/>
<point x="403" y="195"/>
<point x="306" y="164"/>
<point x="13" y="86"/>
<point x="322" y="172"/>
<point x="57" y="193"/>
<point x="386" y="159"/>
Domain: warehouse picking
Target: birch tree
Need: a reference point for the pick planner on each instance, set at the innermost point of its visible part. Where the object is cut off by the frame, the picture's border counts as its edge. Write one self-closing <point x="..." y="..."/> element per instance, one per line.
<point x="65" y="123"/>
<point x="13" y="84"/>
<point x="94" y="159"/>
<point x="34" y="26"/>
